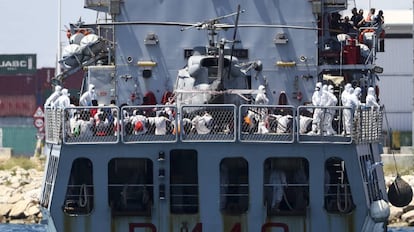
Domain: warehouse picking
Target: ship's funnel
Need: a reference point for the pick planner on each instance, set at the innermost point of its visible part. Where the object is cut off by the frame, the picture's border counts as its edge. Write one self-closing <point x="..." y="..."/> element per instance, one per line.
<point x="400" y="193"/>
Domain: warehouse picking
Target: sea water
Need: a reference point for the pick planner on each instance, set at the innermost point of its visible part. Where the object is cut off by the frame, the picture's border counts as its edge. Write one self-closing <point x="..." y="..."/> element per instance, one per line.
<point x="22" y="228"/>
<point x="42" y="228"/>
<point x="400" y="229"/>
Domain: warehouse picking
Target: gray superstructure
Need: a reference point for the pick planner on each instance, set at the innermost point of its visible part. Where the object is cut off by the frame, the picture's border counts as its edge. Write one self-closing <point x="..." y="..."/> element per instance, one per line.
<point x="205" y="121"/>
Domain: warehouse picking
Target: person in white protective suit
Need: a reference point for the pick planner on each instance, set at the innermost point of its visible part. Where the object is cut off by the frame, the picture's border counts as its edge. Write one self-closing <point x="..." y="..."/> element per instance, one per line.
<point x="317" y="112"/>
<point x="344" y="97"/>
<point x="357" y="96"/>
<point x="52" y="98"/>
<point x="63" y="100"/>
<point x="331" y="100"/>
<point x="283" y="123"/>
<point x="324" y="111"/>
<point x="88" y="96"/>
<point x="160" y="123"/>
<point x="350" y="102"/>
<point x="202" y="124"/>
<point x="277" y="180"/>
<point x="371" y="100"/>
<point x="345" y="92"/>
<point x="261" y="99"/>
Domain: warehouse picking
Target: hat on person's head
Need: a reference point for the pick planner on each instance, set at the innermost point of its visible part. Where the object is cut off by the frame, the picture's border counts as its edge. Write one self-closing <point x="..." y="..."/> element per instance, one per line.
<point x="262" y="88"/>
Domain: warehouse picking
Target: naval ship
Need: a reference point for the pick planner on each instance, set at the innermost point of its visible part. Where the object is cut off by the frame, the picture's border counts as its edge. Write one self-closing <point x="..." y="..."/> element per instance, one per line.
<point x="200" y="116"/>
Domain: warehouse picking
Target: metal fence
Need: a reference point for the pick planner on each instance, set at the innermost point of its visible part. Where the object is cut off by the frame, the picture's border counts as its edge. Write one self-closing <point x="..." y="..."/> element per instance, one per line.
<point x="213" y="123"/>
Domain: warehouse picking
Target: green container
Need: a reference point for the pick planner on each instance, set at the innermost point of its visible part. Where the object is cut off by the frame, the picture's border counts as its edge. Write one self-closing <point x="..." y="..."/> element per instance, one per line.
<point x="22" y="140"/>
<point x="406" y="138"/>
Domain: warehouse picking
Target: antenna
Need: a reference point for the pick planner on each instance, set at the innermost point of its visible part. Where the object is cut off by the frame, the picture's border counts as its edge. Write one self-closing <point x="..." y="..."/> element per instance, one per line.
<point x="234" y="40"/>
<point x="59" y="45"/>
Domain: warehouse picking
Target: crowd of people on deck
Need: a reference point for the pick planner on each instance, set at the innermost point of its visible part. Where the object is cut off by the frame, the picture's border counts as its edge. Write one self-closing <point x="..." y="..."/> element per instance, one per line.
<point x="353" y="25"/>
<point x="92" y="119"/>
<point x="350" y="98"/>
<point x="99" y="120"/>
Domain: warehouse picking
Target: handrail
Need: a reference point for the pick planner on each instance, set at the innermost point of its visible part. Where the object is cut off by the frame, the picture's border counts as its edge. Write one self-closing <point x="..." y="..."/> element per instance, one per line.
<point x="211" y="123"/>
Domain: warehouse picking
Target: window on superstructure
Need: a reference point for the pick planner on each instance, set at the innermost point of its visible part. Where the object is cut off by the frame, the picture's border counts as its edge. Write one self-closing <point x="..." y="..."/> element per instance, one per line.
<point x="337" y="192"/>
<point x="234" y="186"/>
<point x="184" y="182"/>
<point x="79" y="197"/>
<point x="286" y="186"/>
<point x="130" y="186"/>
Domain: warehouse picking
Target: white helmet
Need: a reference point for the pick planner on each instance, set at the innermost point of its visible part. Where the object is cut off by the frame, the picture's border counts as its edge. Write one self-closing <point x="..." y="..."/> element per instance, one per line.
<point x="318" y="86"/>
<point x="262" y="88"/>
<point x="58" y="88"/>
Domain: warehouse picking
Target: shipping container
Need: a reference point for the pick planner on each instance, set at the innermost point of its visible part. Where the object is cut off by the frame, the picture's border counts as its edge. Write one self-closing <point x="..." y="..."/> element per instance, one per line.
<point x="22" y="140"/>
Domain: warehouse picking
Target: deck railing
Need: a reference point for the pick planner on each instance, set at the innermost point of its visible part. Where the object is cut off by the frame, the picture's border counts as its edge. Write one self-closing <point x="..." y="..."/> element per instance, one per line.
<point x="266" y="124"/>
<point x="148" y="124"/>
<point x="213" y="123"/>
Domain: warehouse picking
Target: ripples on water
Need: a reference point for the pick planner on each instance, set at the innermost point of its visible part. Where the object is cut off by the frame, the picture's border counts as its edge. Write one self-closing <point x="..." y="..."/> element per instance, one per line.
<point x="401" y="229"/>
<point x="42" y="228"/>
<point x="22" y="228"/>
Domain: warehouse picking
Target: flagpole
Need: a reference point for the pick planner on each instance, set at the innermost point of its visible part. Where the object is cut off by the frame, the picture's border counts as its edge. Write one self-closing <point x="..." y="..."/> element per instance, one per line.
<point x="412" y="99"/>
<point x="57" y="71"/>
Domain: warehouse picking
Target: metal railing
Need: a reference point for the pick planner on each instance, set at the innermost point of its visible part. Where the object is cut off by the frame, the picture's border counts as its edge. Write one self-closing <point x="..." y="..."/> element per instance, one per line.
<point x="53" y="125"/>
<point x="208" y="123"/>
<point x="213" y="123"/>
<point x="269" y="124"/>
<point x="91" y="125"/>
<point x="144" y="124"/>
<point x="49" y="181"/>
<point x="325" y="124"/>
<point x="368" y="125"/>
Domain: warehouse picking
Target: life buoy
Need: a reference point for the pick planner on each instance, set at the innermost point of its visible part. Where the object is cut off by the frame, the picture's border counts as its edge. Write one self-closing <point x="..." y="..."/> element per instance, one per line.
<point x="361" y="35"/>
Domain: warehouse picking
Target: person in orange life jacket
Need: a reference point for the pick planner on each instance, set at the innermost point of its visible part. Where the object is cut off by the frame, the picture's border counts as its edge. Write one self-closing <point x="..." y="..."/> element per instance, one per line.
<point x="366" y="22"/>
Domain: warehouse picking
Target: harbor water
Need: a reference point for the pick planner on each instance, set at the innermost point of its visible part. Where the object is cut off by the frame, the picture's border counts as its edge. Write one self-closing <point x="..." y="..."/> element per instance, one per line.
<point x="42" y="228"/>
<point x="22" y="228"/>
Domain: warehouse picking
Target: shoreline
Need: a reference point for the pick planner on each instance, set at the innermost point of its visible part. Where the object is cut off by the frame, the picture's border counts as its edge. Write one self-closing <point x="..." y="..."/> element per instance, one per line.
<point x="19" y="194"/>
